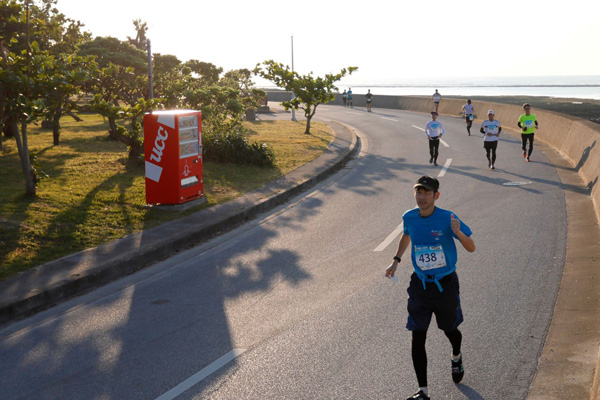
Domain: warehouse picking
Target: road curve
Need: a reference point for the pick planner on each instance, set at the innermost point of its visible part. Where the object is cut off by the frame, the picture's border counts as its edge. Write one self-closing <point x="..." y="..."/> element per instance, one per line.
<point x="293" y="305"/>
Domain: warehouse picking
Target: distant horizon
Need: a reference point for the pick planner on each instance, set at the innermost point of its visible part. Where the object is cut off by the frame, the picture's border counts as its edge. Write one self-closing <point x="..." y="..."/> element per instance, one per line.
<point x="558" y="86"/>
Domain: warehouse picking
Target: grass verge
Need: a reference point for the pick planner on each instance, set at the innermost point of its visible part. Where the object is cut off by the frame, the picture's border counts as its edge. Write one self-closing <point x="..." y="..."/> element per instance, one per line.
<point x="95" y="194"/>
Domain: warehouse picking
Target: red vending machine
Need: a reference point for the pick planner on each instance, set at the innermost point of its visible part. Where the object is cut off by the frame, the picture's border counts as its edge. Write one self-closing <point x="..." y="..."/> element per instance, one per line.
<point x="173" y="154"/>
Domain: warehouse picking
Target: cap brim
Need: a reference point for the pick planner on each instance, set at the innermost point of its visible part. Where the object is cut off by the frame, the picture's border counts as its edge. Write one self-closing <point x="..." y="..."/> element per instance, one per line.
<point x="424" y="186"/>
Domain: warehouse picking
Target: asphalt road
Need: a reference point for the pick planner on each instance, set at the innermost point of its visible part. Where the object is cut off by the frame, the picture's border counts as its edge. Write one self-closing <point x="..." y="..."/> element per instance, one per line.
<point x="294" y="305"/>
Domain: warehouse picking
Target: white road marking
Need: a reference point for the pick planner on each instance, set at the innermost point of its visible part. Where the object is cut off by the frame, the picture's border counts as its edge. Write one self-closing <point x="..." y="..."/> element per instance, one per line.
<point x="389" y="119"/>
<point x="202" y="374"/>
<point x="443" y="171"/>
<point x="390" y="238"/>
<point x="441" y="140"/>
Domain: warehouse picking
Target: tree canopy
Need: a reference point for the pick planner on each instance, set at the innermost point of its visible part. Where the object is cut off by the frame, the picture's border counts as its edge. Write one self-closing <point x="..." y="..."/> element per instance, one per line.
<point x="309" y="91"/>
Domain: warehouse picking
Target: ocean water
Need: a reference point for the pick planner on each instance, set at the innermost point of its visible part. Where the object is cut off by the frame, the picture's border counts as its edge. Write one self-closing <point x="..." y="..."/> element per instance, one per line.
<point x="580" y="87"/>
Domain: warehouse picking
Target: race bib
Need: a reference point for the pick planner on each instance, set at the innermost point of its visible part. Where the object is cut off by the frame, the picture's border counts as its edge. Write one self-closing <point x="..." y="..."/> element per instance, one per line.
<point x="529" y="124"/>
<point x="493" y="129"/>
<point x="430" y="257"/>
<point x="471" y="117"/>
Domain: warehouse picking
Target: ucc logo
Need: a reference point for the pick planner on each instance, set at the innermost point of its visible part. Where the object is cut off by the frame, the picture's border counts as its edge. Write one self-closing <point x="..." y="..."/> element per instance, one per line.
<point x="159" y="144"/>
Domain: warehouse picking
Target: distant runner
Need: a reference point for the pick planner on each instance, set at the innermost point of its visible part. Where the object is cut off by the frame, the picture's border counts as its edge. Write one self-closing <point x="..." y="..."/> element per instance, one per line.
<point x="434" y="131"/>
<point x="436" y="99"/>
<point x="491" y="129"/>
<point x="350" y="97"/>
<point x="528" y="124"/>
<point x="344" y="98"/>
<point x="369" y="97"/>
<point x="468" y="110"/>
<point x="431" y="233"/>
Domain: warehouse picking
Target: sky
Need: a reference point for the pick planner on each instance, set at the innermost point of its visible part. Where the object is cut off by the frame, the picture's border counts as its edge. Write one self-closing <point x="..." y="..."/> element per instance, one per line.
<point x="389" y="41"/>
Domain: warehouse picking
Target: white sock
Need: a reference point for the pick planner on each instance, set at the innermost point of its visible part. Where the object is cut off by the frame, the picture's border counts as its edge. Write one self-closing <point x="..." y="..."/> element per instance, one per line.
<point x="456" y="358"/>
<point x="424" y="390"/>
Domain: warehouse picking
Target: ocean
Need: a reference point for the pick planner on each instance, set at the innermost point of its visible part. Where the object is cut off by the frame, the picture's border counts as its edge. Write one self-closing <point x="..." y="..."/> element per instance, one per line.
<point x="578" y="87"/>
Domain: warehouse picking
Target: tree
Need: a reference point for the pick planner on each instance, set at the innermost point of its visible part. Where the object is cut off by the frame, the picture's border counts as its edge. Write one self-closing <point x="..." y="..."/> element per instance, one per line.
<point x="169" y="79"/>
<point x="140" y="41"/>
<point x="21" y="89"/>
<point x="64" y="78"/>
<point x="22" y="65"/>
<point x="205" y="73"/>
<point x="120" y="88"/>
<point x="309" y="91"/>
<point x="111" y="50"/>
<point x="118" y="95"/>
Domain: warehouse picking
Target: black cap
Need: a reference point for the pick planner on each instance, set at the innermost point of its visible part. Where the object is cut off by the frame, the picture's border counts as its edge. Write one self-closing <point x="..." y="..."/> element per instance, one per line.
<point x="428" y="183"/>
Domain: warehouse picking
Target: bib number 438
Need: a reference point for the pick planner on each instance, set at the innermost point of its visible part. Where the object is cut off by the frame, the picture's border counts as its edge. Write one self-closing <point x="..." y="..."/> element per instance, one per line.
<point x="429" y="257"/>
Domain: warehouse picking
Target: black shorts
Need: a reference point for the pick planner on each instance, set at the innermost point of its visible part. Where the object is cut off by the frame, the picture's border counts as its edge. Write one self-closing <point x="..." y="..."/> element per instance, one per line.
<point x="423" y="303"/>
<point x="491" y="144"/>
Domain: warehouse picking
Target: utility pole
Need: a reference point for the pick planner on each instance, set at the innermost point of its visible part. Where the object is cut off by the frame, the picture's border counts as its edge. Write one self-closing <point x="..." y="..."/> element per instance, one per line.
<point x="151" y="92"/>
<point x="293" y="95"/>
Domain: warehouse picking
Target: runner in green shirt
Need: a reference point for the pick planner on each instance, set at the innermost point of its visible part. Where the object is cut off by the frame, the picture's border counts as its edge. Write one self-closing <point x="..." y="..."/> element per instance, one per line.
<point x="528" y="124"/>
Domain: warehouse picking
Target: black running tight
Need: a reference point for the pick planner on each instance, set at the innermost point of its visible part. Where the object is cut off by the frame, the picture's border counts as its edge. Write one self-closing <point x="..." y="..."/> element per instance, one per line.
<point x="434" y="148"/>
<point x="524" y="138"/>
<point x="419" y="355"/>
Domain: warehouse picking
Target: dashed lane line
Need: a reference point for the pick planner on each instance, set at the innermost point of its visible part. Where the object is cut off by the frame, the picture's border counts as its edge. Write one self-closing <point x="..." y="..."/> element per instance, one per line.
<point x="201" y="375"/>
<point x="391" y="237"/>
<point x="445" y="168"/>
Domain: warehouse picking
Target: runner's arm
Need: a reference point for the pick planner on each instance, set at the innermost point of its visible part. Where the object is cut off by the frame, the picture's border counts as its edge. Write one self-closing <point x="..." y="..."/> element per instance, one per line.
<point x="402" y="246"/>
<point x="467" y="241"/>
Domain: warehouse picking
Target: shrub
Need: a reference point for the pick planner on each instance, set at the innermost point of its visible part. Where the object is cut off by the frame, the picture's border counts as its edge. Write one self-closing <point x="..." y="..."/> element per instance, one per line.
<point x="232" y="146"/>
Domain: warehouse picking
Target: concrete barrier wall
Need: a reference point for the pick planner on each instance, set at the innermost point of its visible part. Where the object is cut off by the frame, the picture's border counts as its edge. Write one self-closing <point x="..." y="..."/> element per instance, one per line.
<point x="576" y="139"/>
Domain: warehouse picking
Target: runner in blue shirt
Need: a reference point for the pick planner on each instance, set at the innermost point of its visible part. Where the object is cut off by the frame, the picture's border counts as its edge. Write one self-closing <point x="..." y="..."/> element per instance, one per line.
<point x="350" y="98"/>
<point x="434" y="286"/>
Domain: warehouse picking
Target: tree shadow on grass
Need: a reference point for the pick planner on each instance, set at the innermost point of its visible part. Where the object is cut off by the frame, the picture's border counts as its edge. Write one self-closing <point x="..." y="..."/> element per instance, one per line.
<point x="67" y="231"/>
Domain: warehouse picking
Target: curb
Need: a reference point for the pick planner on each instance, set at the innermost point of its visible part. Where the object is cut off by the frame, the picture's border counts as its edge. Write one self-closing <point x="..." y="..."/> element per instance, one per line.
<point x="88" y="269"/>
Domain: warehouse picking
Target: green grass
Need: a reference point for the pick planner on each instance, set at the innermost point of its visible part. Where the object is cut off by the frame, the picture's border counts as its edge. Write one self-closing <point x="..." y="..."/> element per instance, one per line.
<point x="95" y="194"/>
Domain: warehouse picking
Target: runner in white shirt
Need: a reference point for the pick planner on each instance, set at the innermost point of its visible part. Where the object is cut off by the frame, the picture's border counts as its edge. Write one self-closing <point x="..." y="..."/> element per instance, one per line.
<point x="434" y="131"/>
<point x="491" y="129"/>
<point x="436" y="99"/>
<point x="468" y="110"/>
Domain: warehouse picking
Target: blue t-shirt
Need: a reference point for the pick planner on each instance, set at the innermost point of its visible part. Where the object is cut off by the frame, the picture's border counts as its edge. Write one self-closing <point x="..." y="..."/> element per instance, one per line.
<point x="429" y="236"/>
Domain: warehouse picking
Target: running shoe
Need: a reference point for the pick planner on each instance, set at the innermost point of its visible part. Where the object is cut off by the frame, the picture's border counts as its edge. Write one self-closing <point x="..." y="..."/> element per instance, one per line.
<point x="524" y="154"/>
<point x="528" y="159"/>
<point x="489" y="164"/>
<point x="419" y="396"/>
<point x="492" y="167"/>
<point x="430" y="160"/>
<point x="435" y="164"/>
<point x="458" y="370"/>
